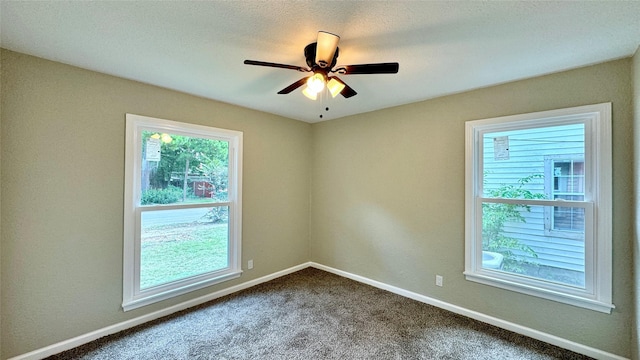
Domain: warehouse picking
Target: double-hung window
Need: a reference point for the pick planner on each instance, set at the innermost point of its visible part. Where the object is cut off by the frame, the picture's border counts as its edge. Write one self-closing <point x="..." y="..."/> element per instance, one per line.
<point x="182" y="208"/>
<point x="538" y="204"/>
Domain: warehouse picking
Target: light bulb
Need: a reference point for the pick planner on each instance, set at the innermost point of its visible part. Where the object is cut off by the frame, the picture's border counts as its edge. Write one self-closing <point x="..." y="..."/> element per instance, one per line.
<point x="315" y="83"/>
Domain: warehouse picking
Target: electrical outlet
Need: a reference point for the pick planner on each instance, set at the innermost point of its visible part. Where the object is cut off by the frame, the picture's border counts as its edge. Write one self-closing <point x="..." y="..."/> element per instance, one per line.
<point x="250" y="264"/>
<point x="439" y="280"/>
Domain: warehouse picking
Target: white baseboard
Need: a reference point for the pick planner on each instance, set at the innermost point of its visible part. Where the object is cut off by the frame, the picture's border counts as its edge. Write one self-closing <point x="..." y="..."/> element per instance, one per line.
<point x="539" y="335"/>
<point x="523" y="330"/>
<point x="94" y="335"/>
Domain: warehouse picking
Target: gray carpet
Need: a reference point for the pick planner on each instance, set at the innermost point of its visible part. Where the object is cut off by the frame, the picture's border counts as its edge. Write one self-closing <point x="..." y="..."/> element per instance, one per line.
<point x="312" y="314"/>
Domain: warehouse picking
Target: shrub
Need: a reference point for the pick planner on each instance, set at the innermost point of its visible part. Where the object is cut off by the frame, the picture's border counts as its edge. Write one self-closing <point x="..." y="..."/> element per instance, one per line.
<point x="169" y="195"/>
<point x="494" y="217"/>
<point x="218" y="214"/>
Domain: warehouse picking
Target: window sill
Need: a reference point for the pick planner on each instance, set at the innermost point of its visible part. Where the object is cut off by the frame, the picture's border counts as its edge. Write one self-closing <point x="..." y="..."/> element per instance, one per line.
<point x="144" y="300"/>
<point x="541" y="292"/>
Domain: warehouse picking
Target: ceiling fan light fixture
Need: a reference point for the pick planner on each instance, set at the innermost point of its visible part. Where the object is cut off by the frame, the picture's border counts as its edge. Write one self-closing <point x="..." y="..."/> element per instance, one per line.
<point x="326" y="48"/>
<point x="315" y="83"/>
<point x="335" y="86"/>
<point x="309" y="94"/>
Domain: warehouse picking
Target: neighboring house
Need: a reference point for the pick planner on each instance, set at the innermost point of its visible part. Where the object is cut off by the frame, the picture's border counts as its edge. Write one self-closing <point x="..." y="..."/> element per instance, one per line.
<point x="553" y="158"/>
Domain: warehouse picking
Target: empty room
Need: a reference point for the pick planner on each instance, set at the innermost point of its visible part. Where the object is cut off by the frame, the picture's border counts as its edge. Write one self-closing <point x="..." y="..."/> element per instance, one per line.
<point x="319" y="180"/>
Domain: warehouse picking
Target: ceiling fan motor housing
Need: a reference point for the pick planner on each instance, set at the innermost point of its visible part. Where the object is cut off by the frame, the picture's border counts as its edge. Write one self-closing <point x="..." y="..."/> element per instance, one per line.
<point x="310" y="55"/>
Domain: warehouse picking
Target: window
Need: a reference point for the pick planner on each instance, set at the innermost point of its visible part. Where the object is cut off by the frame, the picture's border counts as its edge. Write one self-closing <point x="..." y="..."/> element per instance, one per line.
<point x="565" y="181"/>
<point x="182" y="208"/>
<point x="538" y="204"/>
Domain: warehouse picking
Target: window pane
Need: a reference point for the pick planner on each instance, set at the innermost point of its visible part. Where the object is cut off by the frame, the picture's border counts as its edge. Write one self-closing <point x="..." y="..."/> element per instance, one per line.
<point x="177" y="244"/>
<point x="514" y="241"/>
<point x="183" y="169"/>
<point x="568" y="219"/>
<point x="568" y="184"/>
<point x="520" y="163"/>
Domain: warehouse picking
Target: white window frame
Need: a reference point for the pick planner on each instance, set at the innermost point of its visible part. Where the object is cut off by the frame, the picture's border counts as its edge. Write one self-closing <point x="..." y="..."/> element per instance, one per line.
<point x="597" y="294"/>
<point x="133" y="296"/>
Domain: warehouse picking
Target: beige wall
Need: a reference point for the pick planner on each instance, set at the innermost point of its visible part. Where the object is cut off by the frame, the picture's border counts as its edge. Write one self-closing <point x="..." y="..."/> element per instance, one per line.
<point x="388" y="198"/>
<point x="636" y="176"/>
<point x="62" y="195"/>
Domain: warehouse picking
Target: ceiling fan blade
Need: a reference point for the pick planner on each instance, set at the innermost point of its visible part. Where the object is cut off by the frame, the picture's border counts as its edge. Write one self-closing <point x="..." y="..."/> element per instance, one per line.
<point x="326" y="48"/>
<point x="275" y="65"/>
<point x="293" y="86"/>
<point x="380" y="68"/>
<point x="348" y="92"/>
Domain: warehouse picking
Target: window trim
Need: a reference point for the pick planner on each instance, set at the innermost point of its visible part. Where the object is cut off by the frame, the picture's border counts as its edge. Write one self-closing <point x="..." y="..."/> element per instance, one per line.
<point x="133" y="297"/>
<point x="597" y="294"/>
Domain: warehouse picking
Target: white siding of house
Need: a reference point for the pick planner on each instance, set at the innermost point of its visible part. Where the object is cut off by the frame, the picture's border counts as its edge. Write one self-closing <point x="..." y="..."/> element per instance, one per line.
<point x="527" y="152"/>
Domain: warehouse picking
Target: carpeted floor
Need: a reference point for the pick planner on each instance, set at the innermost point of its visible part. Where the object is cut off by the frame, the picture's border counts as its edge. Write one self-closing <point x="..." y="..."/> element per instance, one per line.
<point x="312" y="314"/>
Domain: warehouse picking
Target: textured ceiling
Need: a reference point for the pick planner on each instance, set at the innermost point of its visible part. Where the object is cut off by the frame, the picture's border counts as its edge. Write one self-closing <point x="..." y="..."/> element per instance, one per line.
<point x="442" y="47"/>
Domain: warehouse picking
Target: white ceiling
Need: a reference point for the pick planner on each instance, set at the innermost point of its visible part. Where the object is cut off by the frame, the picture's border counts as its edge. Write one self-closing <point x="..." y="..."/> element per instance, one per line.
<point x="442" y="47"/>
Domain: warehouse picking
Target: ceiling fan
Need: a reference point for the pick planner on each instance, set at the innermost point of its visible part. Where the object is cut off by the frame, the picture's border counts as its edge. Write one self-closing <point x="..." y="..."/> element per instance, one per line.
<point x="321" y="58"/>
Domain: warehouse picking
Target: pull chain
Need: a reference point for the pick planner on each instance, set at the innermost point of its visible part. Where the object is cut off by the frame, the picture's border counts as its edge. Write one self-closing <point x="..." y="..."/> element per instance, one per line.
<point x="324" y="95"/>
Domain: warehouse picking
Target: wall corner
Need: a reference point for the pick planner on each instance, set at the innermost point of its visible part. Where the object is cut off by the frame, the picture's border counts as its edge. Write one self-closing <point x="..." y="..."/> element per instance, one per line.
<point x="635" y="81"/>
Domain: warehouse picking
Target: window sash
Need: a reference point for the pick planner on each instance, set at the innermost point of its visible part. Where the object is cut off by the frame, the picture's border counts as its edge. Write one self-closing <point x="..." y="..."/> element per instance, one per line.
<point x="540" y="202"/>
<point x="544" y="285"/>
<point x="187" y="281"/>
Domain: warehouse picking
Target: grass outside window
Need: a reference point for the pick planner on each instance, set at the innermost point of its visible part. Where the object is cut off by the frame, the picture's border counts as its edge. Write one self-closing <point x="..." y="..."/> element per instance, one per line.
<point x="178" y="251"/>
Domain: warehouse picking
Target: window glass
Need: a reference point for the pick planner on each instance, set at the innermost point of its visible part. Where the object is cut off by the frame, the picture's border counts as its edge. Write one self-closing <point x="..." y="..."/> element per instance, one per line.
<point x="183" y="169"/>
<point x="513" y="235"/>
<point x="181" y="243"/>
<point x="514" y="161"/>
<point x="518" y="247"/>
